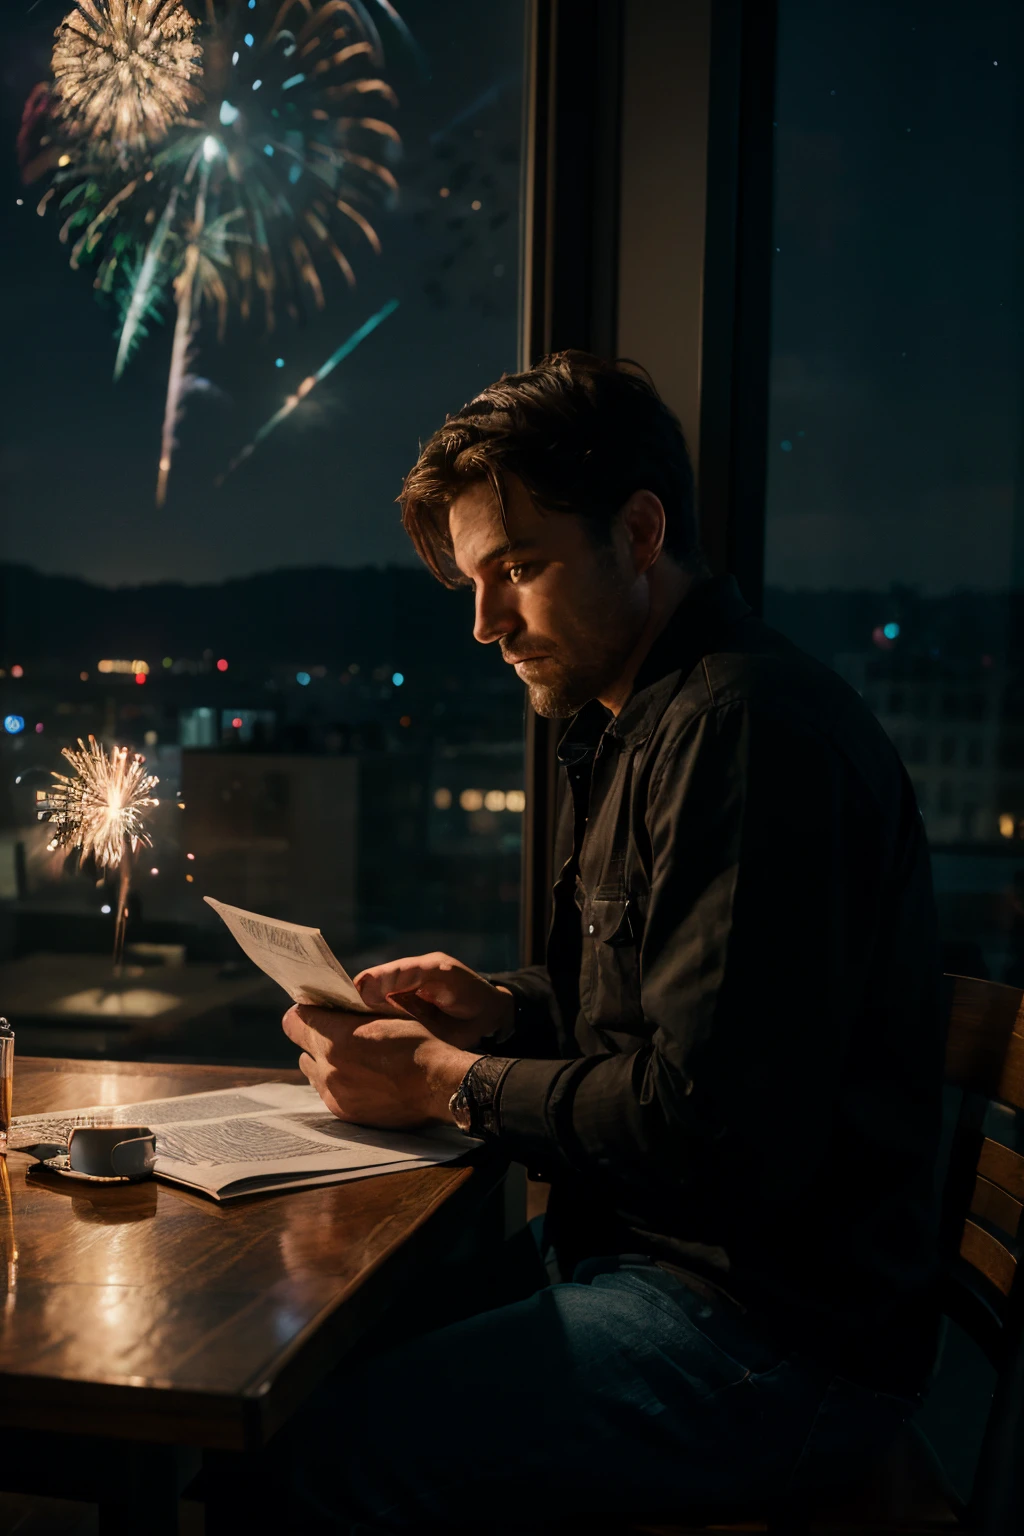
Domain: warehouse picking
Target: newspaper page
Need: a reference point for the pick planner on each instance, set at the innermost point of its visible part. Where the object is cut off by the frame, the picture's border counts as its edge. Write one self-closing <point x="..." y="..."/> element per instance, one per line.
<point x="299" y="959"/>
<point x="239" y="1141"/>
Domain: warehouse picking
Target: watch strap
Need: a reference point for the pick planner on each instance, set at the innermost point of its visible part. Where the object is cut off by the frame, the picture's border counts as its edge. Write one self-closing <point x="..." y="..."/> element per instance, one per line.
<point x="480" y="1093"/>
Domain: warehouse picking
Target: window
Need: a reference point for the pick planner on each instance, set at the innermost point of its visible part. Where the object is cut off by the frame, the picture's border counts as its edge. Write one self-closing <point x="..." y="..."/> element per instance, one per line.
<point x="331" y="744"/>
<point x="894" y="535"/>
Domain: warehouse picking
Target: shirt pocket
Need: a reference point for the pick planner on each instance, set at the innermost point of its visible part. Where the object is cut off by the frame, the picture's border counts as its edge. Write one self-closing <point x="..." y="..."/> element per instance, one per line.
<point x="610" y="975"/>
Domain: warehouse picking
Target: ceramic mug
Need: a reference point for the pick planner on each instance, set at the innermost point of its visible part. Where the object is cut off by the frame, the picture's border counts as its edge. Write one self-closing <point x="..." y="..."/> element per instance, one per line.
<point x="123" y="1151"/>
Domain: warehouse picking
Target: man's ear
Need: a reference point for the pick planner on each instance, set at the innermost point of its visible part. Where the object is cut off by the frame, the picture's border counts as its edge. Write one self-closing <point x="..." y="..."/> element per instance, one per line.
<point x="643" y="519"/>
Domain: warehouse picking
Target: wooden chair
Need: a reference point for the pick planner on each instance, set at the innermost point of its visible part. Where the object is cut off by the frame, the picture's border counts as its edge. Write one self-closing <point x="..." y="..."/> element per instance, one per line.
<point x="982" y="1292"/>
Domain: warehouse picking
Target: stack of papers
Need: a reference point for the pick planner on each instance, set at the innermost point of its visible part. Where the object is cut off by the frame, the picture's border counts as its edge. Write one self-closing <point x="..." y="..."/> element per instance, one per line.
<point x="244" y="1141"/>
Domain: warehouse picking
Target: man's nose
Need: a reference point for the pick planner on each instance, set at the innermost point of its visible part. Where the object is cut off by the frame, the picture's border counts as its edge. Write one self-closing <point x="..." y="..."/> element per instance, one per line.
<point x="495" y="614"/>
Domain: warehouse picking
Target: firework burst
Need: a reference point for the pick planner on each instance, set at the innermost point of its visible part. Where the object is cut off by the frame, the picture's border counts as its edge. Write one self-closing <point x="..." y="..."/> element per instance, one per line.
<point x="98" y="812"/>
<point x="125" y="72"/>
<point x="238" y="197"/>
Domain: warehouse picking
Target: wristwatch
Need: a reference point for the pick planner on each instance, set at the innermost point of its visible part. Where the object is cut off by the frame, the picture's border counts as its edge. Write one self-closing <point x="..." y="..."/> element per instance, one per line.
<point x="472" y="1105"/>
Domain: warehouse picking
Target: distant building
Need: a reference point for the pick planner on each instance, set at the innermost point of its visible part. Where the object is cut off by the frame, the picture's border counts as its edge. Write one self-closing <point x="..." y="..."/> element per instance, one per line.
<point x="946" y="721"/>
<point x="277" y="834"/>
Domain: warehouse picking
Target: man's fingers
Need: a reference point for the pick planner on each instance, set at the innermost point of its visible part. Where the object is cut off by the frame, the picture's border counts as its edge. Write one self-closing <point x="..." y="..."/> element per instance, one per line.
<point x="416" y="1005"/>
<point x="312" y="1029"/>
<point x="307" y="1066"/>
<point x="296" y="1028"/>
<point x="376" y="984"/>
<point x="436" y="978"/>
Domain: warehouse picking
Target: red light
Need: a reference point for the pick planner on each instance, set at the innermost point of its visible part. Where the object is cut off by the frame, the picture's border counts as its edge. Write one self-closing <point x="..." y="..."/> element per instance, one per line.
<point x="140" y="677"/>
<point x="237" y="723"/>
<point x="222" y="665"/>
<point x="17" y="671"/>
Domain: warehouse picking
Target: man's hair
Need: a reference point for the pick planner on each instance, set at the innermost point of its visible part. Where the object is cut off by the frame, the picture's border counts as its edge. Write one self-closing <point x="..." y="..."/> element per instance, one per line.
<point x="581" y="434"/>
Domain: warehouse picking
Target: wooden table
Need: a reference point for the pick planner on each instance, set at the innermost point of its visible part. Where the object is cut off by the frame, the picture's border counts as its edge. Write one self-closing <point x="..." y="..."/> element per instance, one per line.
<point x="150" y="1315"/>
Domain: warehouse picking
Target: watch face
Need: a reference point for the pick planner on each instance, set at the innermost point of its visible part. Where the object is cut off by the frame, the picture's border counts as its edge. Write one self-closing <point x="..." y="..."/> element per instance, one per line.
<point x="460" y="1110"/>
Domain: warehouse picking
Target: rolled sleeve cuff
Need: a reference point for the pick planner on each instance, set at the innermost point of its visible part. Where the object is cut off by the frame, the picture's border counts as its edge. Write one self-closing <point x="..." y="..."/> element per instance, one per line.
<point x="525" y="1107"/>
<point x="584" y="1113"/>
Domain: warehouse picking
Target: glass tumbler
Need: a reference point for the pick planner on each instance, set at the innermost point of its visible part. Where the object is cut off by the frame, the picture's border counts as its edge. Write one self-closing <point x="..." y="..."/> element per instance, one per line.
<point x="6" y="1081"/>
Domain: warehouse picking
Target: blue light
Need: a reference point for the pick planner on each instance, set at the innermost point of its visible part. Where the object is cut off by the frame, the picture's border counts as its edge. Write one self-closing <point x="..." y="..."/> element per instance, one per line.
<point x="786" y="445"/>
<point x="248" y="39"/>
<point x="256" y="84"/>
<point x="278" y="362"/>
<point x="295" y="174"/>
<point x="292" y="80"/>
<point x="268" y="149"/>
<point x="228" y="113"/>
<point x="252" y="5"/>
<point x="302" y="678"/>
<point x="891" y="631"/>
<point x="14" y="724"/>
<point x="398" y="678"/>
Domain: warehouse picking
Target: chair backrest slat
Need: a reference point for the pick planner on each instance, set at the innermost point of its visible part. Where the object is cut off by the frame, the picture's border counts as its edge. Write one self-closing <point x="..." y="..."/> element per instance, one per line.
<point x="1002" y="1167"/>
<point x="984" y="1204"/>
<point x="986" y="1253"/>
<point x="985" y="1046"/>
<point x="996" y="1206"/>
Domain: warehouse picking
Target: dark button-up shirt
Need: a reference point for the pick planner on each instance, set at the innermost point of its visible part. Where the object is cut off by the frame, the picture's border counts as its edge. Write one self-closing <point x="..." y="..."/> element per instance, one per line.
<point x="732" y="1061"/>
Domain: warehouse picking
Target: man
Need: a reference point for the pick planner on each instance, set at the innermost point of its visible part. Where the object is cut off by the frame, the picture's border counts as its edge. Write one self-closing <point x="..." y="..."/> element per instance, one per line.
<point x="730" y="1068"/>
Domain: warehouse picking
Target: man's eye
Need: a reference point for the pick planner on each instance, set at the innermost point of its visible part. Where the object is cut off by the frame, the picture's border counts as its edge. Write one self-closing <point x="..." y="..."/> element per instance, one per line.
<point x="516" y="574"/>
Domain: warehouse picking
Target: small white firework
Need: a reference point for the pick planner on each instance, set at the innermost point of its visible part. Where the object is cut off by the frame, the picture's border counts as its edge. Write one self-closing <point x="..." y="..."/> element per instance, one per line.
<point x="99" y="810"/>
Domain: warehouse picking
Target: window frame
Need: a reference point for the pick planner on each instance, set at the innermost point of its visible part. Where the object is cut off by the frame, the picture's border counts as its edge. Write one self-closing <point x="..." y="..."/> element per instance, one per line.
<point x="618" y="97"/>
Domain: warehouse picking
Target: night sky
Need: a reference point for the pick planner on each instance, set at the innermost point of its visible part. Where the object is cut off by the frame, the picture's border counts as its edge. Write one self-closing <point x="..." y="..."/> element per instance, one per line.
<point x="78" y="453"/>
<point x="897" y="403"/>
<point x="894" y="447"/>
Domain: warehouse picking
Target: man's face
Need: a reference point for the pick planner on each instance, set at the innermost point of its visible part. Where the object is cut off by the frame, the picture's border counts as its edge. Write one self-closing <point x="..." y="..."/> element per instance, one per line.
<point x="566" y="613"/>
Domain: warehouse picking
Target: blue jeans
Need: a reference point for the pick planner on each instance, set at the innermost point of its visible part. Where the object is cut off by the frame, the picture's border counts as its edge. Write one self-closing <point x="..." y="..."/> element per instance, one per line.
<point x="622" y="1390"/>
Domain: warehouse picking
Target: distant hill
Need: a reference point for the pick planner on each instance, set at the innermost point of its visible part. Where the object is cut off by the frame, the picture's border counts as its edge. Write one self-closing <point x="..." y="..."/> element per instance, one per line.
<point x="323" y="615"/>
<point x="337" y="616"/>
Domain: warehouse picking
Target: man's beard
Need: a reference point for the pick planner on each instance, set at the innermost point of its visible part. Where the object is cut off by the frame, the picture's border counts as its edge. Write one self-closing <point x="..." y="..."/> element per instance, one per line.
<point x="591" y="654"/>
<point x="559" y="700"/>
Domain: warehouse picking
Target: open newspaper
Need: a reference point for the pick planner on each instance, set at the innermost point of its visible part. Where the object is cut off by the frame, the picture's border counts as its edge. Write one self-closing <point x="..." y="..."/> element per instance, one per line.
<point x="244" y="1141"/>
<point x="299" y="959"/>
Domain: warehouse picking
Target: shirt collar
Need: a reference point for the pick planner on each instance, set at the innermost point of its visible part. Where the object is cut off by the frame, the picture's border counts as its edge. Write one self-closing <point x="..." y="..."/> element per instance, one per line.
<point x="703" y="612"/>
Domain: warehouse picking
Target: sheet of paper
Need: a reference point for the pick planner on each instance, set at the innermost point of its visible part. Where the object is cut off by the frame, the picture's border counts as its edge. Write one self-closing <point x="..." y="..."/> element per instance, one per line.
<point x="299" y="959"/>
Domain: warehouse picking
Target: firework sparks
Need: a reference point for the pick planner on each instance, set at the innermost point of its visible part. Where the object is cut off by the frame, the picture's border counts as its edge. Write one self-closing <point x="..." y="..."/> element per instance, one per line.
<point x="338" y="355"/>
<point x="98" y="812"/>
<point x="125" y="73"/>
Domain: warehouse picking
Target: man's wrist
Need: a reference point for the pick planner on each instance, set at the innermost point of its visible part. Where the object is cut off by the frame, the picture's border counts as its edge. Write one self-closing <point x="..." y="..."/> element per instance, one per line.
<point x="444" y="1067"/>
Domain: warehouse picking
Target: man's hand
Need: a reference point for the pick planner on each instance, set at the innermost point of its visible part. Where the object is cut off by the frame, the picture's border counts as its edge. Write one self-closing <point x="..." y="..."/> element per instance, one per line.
<point x="391" y="1073"/>
<point x="461" y="1006"/>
